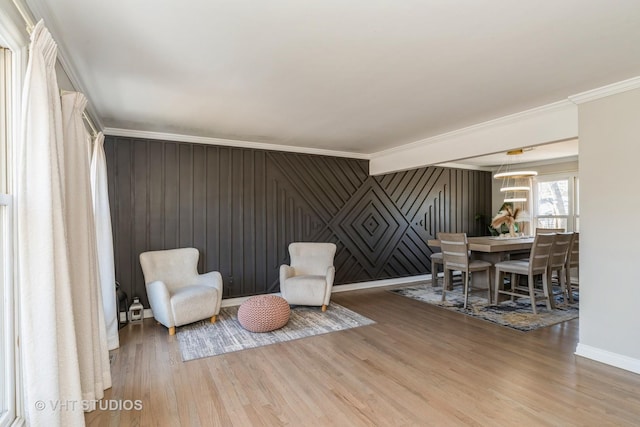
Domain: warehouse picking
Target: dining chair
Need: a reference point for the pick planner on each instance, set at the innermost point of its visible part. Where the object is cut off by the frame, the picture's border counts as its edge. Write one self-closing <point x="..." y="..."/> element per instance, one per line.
<point x="535" y="266"/>
<point x="525" y="256"/>
<point x="573" y="262"/>
<point x="455" y="253"/>
<point x="549" y="230"/>
<point x="557" y="262"/>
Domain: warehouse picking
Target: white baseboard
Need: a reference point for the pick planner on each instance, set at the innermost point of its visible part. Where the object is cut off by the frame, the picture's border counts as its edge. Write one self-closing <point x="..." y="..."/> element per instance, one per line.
<point x="230" y="302"/>
<point x="614" y="359"/>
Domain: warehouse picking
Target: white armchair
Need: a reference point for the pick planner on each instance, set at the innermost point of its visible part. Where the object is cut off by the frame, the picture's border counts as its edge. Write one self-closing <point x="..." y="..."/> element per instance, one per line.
<point x="178" y="295"/>
<point x="309" y="278"/>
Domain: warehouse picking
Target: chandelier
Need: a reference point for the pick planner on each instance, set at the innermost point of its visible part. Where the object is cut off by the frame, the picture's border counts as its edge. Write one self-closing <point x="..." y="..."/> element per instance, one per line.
<point x="516" y="184"/>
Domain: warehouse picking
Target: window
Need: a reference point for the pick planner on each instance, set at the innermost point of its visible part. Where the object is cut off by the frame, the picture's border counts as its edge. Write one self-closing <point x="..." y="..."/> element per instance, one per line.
<point x="7" y="307"/>
<point x="556" y="201"/>
<point x="13" y="60"/>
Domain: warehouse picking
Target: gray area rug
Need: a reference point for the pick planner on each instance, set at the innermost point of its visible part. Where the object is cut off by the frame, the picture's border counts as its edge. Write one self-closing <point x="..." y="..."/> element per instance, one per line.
<point x="513" y="314"/>
<point x="204" y="339"/>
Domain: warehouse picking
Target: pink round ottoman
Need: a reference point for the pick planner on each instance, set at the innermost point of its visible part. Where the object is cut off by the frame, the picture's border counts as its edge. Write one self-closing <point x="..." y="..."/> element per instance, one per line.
<point x="264" y="313"/>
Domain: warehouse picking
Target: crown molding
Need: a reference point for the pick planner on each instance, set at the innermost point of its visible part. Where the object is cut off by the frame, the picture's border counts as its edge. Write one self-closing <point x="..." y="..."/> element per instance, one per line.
<point x="604" y="91"/>
<point x="130" y="133"/>
<point x="495" y="123"/>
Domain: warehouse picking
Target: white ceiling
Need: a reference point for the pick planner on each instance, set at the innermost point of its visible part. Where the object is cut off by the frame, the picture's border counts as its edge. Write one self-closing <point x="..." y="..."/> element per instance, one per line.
<point x="358" y="76"/>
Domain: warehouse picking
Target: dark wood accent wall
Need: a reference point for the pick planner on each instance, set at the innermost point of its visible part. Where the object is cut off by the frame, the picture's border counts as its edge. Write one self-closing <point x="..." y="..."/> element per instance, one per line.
<point x="242" y="207"/>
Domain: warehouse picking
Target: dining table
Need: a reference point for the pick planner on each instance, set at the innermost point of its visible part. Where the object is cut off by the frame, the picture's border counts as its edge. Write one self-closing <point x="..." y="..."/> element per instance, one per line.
<point x="493" y="249"/>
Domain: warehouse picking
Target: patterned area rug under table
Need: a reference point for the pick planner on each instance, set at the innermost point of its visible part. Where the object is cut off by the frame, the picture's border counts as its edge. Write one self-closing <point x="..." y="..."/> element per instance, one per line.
<point x="204" y="339"/>
<point x="513" y="314"/>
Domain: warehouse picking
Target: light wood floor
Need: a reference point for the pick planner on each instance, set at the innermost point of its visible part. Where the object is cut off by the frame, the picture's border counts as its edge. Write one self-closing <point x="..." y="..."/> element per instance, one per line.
<point x="418" y="365"/>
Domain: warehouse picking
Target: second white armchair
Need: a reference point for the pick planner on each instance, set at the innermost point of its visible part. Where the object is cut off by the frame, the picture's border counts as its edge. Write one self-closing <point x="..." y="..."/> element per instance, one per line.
<point x="309" y="278"/>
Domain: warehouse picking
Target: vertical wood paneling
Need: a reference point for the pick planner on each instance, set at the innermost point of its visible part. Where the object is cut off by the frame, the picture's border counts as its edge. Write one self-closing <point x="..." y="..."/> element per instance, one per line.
<point x="248" y="223"/>
<point x="225" y="221"/>
<point x="156" y="193"/>
<point x="241" y="208"/>
<point x="125" y="269"/>
<point x="171" y="200"/>
<point x="212" y="229"/>
<point x="237" y="214"/>
<point x="199" y="201"/>
<point x="185" y="195"/>
<point x="140" y="213"/>
<point x="261" y="268"/>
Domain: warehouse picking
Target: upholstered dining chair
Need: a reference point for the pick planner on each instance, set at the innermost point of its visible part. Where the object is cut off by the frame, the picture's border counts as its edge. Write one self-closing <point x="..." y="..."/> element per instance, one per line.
<point x="557" y="262"/>
<point x="177" y="294"/>
<point x="549" y="230"/>
<point x="436" y="260"/>
<point x="309" y="278"/>
<point x="455" y="253"/>
<point x="535" y="266"/>
<point x="525" y="256"/>
<point x="573" y="262"/>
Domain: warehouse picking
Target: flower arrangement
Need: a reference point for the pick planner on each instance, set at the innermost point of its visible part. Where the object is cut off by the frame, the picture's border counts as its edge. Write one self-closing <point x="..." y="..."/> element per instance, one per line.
<point x="508" y="216"/>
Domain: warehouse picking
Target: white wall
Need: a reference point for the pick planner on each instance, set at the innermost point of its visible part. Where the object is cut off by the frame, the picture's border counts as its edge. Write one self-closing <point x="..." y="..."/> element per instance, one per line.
<point x="609" y="132"/>
<point x="64" y="82"/>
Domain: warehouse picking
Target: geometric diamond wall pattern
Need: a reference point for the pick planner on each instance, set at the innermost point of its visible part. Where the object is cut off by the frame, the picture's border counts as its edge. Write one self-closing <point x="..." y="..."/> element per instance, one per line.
<point x="242" y="207"/>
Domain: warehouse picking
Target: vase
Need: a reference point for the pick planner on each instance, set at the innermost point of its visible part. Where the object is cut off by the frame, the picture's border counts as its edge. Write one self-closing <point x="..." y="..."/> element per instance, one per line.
<point x="512" y="229"/>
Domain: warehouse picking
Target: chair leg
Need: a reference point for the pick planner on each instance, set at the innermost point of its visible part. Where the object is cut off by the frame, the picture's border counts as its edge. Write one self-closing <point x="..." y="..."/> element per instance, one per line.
<point x="445" y="284"/>
<point x="563" y="288"/>
<point x="545" y="287"/>
<point x="567" y="282"/>
<point x="213" y="318"/>
<point x="489" y="282"/>
<point x="324" y="307"/>
<point x="549" y="291"/>
<point x="514" y="282"/>
<point x="498" y="285"/>
<point x="532" y="295"/>
<point x="466" y="288"/>
<point x="434" y="274"/>
<point x="172" y="330"/>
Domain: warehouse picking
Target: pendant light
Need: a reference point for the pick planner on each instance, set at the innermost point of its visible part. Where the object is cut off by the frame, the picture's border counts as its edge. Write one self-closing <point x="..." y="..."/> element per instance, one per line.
<point x="513" y="181"/>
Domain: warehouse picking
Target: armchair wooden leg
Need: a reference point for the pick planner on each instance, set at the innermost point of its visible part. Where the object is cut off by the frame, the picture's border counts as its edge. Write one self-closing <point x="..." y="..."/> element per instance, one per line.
<point x="213" y="319"/>
<point x="172" y="330"/>
<point x="324" y="307"/>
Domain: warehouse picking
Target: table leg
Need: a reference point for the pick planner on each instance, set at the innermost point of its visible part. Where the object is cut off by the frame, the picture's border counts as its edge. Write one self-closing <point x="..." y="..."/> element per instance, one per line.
<point x="483" y="280"/>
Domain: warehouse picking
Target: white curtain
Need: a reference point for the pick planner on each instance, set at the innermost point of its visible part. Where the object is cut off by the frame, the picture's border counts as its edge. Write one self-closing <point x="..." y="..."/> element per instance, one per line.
<point x="47" y="338"/>
<point x="91" y="336"/>
<point x="102" y="215"/>
<point x="63" y="338"/>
